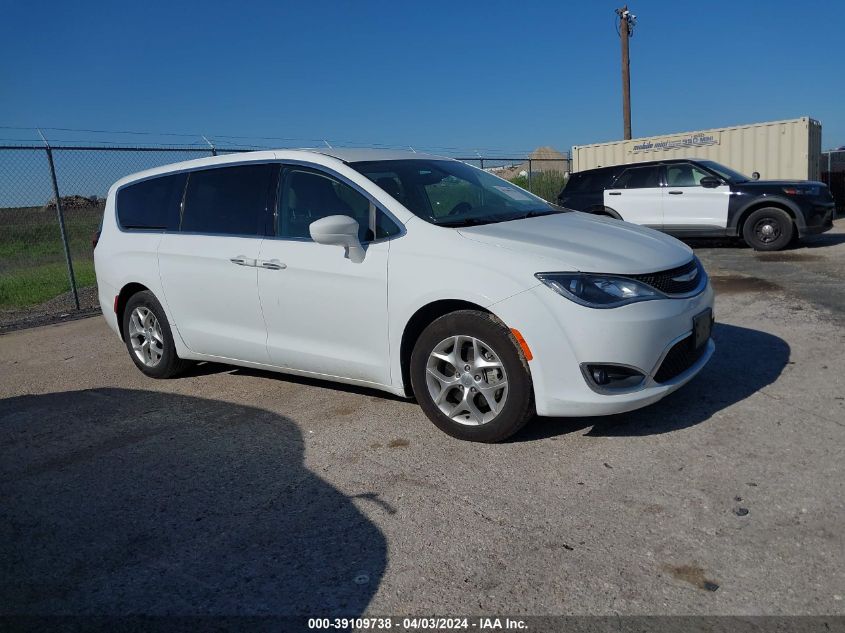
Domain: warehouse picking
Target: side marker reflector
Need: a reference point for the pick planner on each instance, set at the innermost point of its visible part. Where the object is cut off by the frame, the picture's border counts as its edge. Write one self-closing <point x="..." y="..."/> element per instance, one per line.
<point x="116" y="297"/>
<point x="525" y="349"/>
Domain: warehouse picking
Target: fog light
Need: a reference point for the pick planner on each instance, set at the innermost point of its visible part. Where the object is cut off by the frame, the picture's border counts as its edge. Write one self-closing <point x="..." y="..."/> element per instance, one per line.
<point x="600" y="376"/>
<point x="608" y="378"/>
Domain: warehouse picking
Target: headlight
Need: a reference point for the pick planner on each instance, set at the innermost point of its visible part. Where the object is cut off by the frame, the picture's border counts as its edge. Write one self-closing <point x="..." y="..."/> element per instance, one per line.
<point x="598" y="291"/>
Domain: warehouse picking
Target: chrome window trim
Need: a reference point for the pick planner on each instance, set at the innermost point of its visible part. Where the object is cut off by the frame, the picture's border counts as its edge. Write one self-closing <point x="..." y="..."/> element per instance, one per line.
<point x="282" y="163"/>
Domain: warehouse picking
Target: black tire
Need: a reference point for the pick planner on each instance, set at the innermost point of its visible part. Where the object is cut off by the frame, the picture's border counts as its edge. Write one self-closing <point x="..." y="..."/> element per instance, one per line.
<point x="768" y="229"/>
<point x="169" y="364"/>
<point x="518" y="405"/>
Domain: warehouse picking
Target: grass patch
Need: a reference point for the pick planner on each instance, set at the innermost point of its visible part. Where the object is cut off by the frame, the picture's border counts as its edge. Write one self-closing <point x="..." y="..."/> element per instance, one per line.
<point x="25" y="287"/>
<point x="29" y="233"/>
<point x="32" y="258"/>
<point x="546" y="184"/>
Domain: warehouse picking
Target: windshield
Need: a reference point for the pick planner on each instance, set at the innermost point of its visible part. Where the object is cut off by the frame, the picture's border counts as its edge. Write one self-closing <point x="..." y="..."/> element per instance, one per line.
<point x="725" y="172"/>
<point x="451" y="193"/>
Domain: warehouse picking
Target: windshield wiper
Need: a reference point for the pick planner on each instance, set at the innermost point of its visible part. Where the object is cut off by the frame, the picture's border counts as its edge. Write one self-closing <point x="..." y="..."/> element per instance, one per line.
<point x="462" y="221"/>
<point x="495" y="219"/>
<point x="536" y="214"/>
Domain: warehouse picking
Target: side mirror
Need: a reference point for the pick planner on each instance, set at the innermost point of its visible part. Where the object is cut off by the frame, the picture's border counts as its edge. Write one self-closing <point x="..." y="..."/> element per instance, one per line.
<point x="339" y="230"/>
<point x="709" y="182"/>
<point x="755" y="175"/>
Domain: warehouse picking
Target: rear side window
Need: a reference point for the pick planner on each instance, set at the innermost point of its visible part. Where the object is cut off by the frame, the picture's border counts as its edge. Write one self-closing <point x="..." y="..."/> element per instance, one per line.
<point x="588" y="181"/>
<point x="639" y="178"/>
<point x="580" y="183"/>
<point x="230" y="200"/>
<point x="151" y="204"/>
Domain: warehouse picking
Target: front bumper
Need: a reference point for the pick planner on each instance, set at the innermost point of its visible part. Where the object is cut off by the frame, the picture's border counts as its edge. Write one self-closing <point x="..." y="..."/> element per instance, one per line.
<point x="562" y="335"/>
<point x="818" y="219"/>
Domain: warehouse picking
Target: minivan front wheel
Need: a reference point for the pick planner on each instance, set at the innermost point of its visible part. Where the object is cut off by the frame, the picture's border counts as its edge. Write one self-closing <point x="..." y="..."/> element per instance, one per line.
<point x="148" y="337"/>
<point x="471" y="378"/>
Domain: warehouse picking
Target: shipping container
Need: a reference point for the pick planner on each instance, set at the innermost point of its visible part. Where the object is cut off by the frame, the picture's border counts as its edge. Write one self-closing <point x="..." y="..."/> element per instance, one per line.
<point x="777" y="150"/>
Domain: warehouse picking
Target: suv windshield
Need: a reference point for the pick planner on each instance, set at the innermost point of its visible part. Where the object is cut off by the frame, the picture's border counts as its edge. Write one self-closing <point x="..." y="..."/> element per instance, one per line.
<point x="451" y="193"/>
<point x="725" y="172"/>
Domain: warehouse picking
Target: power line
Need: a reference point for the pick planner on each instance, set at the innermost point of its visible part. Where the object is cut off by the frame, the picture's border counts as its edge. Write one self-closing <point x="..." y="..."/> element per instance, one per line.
<point x="286" y="139"/>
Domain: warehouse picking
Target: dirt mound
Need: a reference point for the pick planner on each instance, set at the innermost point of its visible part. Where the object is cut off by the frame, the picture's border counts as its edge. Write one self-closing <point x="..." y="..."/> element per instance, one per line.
<point x="76" y="202"/>
<point x="548" y="159"/>
<point x="543" y="158"/>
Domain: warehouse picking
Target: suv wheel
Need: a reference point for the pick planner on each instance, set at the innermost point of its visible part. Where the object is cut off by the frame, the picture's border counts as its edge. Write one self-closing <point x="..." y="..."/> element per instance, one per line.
<point x="768" y="229"/>
<point x="471" y="378"/>
<point x="148" y="338"/>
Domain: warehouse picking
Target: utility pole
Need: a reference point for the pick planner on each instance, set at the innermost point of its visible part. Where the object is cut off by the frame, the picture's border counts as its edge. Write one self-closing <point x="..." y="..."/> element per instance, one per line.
<point x="627" y="20"/>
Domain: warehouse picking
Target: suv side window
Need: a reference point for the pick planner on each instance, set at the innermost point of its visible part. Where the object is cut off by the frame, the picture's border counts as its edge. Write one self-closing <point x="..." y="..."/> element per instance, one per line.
<point x="638" y="178"/>
<point x="684" y="175"/>
<point x="588" y="182"/>
<point x="307" y="195"/>
<point x="151" y="204"/>
<point x="230" y="200"/>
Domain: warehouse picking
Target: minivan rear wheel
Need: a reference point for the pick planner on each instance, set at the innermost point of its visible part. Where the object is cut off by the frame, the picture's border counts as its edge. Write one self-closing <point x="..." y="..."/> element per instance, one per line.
<point x="471" y="378"/>
<point x="768" y="229"/>
<point x="148" y="338"/>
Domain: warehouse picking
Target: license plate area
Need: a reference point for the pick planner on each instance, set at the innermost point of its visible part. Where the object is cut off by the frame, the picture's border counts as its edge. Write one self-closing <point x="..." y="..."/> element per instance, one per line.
<point x="702" y="325"/>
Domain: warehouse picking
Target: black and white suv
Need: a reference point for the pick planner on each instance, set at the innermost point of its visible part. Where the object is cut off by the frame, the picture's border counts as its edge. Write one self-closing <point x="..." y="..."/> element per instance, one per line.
<point x="701" y="198"/>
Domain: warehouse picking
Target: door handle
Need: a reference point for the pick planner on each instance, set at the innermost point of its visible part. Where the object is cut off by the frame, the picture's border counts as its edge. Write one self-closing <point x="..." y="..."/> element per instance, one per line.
<point x="614" y="193"/>
<point x="676" y="193"/>
<point x="242" y="260"/>
<point x="272" y="264"/>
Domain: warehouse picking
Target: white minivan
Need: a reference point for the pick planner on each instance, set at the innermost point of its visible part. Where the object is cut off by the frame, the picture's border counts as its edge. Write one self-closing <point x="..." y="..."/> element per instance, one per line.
<point x="414" y="274"/>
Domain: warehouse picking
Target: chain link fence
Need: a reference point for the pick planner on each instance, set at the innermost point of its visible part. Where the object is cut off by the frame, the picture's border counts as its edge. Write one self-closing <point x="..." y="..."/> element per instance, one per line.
<point x="542" y="176"/>
<point x="52" y="201"/>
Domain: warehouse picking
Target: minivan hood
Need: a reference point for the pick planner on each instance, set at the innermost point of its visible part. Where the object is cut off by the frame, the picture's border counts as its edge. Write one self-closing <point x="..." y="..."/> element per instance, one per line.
<point x="584" y="242"/>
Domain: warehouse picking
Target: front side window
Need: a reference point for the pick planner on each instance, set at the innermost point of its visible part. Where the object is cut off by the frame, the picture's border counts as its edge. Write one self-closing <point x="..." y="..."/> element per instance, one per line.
<point x="151" y="204"/>
<point x="638" y="178"/>
<point x="451" y="193"/>
<point x="308" y="195"/>
<point x="684" y="175"/>
<point x="230" y="200"/>
<point x="725" y="172"/>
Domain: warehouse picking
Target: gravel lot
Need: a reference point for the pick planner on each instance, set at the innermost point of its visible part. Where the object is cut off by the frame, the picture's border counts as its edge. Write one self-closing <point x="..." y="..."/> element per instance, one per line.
<point x="232" y="491"/>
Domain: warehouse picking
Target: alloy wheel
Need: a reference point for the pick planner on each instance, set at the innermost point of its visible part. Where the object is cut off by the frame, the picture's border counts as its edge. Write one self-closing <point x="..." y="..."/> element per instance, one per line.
<point x="145" y="336"/>
<point x="466" y="380"/>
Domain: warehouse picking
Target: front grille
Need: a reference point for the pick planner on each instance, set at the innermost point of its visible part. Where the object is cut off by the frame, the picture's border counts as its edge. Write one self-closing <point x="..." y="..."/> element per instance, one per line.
<point x="681" y="357"/>
<point x="664" y="282"/>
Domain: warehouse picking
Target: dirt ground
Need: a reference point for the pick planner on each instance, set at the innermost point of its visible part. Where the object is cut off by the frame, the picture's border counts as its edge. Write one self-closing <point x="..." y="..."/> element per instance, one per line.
<point x="232" y="491"/>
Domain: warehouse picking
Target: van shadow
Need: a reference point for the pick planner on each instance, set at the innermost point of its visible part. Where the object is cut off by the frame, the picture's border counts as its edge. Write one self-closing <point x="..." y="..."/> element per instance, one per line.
<point x="133" y="502"/>
<point x="745" y="362"/>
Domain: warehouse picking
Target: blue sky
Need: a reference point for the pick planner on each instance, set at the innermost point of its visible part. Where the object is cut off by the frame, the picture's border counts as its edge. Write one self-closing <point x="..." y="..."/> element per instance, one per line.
<point x="454" y="74"/>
